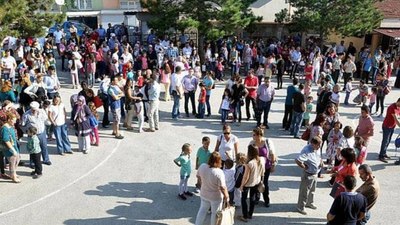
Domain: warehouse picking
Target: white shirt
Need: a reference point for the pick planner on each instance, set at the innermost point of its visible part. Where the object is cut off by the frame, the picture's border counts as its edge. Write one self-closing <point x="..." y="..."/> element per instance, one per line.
<point x="230" y="178"/>
<point x="227" y="147"/>
<point x="58" y="114"/>
<point x="176" y="80"/>
<point x="58" y="35"/>
<point x="187" y="51"/>
<point x="126" y="58"/>
<point x="8" y="62"/>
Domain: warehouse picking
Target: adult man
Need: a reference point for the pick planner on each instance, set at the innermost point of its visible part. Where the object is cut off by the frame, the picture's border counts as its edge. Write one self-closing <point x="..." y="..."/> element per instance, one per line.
<point x="299" y="107"/>
<point x="351" y="50"/>
<point x="287" y="117"/>
<point x="265" y="96"/>
<point x="115" y="94"/>
<point x="337" y="67"/>
<point x="103" y="94"/>
<point x="349" y="68"/>
<point x="172" y="51"/>
<point x="349" y="207"/>
<point x="8" y="65"/>
<point x="153" y="100"/>
<point x="251" y="85"/>
<point x="375" y="63"/>
<point x="310" y="161"/>
<point x="52" y="83"/>
<point x="340" y="49"/>
<point x="389" y="123"/>
<point x="370" y="189"/>
<point x="36" y="117"/>
<point x="102" y="33"/>
<point x="58" y="35"/>
<point x="247" y="58"/>
<point x="152" y="58"/>
<point x="365" y="127"/>
<point x="110" y="30"/>
<point x="190" y="83"/>
<point x="295" y="57"/>
<point x="176" y="91"/>
<point x="187" y="51"/>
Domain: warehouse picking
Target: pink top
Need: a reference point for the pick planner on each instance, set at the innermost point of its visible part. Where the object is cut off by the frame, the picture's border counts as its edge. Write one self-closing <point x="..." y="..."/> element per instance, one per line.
<point x="362" y="156"/>
<point x="365" y="127"/>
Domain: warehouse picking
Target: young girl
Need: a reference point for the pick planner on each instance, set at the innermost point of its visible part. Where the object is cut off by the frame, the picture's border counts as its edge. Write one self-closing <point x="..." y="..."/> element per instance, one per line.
<point x="349" y="89"/>
<point x="139" y="108"/>
<point x="184" y="162"/>
<point x="372" y="99"/>
<point x="90" y="69"/>
<point x="360" y="149"/>
<point x="307" y="88"/>
<point x="347" y="141"/>
<point x="220" y="69"/>
<point x="309" y="72"/>
<point x="309" y="109"/>
<point x="225" y="105"/>
<point x="72" y="65"/>
<point x="34" y="150"/>
<point x="48" y="125"/>
<point x="241" y="160"/>
<point x="333" y="139"/>
<point x="93" y="119"/>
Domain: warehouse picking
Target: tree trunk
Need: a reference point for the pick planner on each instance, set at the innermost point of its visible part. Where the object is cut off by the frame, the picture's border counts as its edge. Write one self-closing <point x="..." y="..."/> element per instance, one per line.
<point x="201" y="47"/>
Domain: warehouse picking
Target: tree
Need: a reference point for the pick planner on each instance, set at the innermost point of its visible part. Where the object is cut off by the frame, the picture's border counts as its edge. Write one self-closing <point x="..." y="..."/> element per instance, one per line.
<point x="212" y="19"/>
<point x="26" y="18"/>
<point x="345" y="17"/>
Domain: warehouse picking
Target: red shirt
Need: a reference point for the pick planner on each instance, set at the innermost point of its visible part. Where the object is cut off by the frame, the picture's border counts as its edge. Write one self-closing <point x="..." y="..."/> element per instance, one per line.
<point x="389" y="121"/>
<point x="308" y="71"/>
<point x="251" y="82"/>
<point x="202" y="96"/>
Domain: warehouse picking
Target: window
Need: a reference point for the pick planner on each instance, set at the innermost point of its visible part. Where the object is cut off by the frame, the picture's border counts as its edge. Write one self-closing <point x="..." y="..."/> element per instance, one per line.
<point x="83" y="4"/>
<point x="129" y="4"/>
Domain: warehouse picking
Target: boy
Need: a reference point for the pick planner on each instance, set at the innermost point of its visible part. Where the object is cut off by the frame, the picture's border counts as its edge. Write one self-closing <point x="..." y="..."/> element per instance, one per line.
<point x="229" y="172"/>
<point x="202" y="101"/>
<point x="34" y="150"/>
<point x="202" y="156"/>
<point x="184" y="162"/>
<point x="349" y="89"/>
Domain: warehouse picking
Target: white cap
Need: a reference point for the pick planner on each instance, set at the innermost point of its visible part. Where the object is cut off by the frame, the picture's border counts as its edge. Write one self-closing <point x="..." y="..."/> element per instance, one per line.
<point x="34" y="105"/>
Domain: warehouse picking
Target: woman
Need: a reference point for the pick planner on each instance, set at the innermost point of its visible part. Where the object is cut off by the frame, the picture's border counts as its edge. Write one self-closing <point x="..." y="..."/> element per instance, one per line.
<point x="213" y="188"/>
<point x="166" y="80"/>
<point x="382" y="86"/>
<point x="316" y="129"/>
<point x="227" y="144"/>
<point x="331" y="116"/>
<point x="6" y="92"/>
<point x="253" y="172"/>
<point x="58" y="116"/>
<point x="266" y="150"/>
<point x="347" y="167"/>
<point x="239" y="93"/>
<point x="129" y="104"/>
<point x="317" y="66"/>
<point x="10" y="140"/>
<point x="80" y="117"/>
<point x="280" y="69"/>
<point x="37" y="91"/>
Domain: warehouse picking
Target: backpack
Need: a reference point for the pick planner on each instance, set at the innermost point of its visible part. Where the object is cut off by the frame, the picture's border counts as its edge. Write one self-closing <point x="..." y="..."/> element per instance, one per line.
<point x="239" y="173"/>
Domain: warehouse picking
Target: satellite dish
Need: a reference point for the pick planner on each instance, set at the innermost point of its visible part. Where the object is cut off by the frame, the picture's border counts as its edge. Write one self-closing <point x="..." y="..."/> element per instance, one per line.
<point x="60" y="2"/>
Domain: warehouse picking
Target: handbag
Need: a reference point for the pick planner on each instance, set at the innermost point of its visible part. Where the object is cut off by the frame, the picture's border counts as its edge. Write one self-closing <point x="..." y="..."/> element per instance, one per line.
<point x="226" y="216"/>
<point x="97" y="101"/>
<point x="260" y="186"/>
<point x="306" y="134"/>
<point x="336" y="190"/>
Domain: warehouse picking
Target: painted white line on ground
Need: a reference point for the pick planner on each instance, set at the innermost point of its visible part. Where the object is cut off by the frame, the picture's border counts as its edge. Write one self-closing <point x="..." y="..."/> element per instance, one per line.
<point x="64" y="187"/>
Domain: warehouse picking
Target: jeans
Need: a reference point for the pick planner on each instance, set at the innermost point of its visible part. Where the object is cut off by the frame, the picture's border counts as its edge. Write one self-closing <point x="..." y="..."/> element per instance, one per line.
<point x="190" y="96"/>
<point x="335" y="76"/>
<point x="201" y="110"/>
<point x="205" y="205"/>
<point x="263" y="108"/>
<point x="387" y="134"/>
<point x="287" y="117"/>
<point x="43" y="146"/>
<point x="294" y="69"/>
<point x="346" y="77"/>
<point x="248" y="212"/>
<point x="62" y="140"/>
<point x="365" y="219"/>
<point x="380" y="100"/>
<point x="208" y="105"/>
<point x="237" y="114"/>
<point x="374" y="72"/>
<point x="266" y="192"/>
<point x="224" y="115"/>
<point x="346" y="99"/>
<point x="296" y="123"/>
<point x="253" y="103"/>
<point x="175" y="107"/>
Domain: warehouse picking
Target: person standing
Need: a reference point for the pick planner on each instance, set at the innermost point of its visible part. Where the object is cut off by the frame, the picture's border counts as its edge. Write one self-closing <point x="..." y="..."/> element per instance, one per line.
<point x="349" y="68"/>
<point x="208" y="82"/>
<point x="383" y="88"/>
<point x="251" y="85"/>
<point x="280" y="69"/>
<point x="9" y="138"/>
<point x="103" y="94"/>
<point x="295" y="57"/>
<point x="8" y="66"/>
<point x="114" y="95"/>
<point x="310" y="161"/>
<point x="287" y="117"/>
<point x="390" y="122"/>
<point x="176" y="91"/>
<point x="365" y="127"/>
<point x="36" y="117"/>
<point x="370" y="189"/>
<point x="349" y="207"/>
<point x="190" y="83"/>
<point x="299" y="107"/>
<point x="265" y="96"/>
<point x="154" y="102"/>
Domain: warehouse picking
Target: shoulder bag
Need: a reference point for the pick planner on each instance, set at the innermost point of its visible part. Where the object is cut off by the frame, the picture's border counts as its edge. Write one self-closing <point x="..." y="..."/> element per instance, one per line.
<point x="260" y="186"/>
<point x="226" y="216"/>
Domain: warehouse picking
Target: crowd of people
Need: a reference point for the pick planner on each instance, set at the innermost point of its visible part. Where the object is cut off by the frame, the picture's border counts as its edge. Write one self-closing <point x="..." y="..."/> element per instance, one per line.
<point x="131" y="78"/>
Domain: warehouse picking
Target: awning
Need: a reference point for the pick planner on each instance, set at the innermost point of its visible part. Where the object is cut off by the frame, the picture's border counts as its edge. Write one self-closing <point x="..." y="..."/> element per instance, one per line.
<point x="82" y="13"/>
<point x="394" y="33"/>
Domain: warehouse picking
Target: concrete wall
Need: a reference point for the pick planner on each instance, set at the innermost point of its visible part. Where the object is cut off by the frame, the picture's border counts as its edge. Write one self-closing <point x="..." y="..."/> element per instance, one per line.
<point x="110" y="4"/>
<point x="268" y="8"/>
<point x="358" y="42"/>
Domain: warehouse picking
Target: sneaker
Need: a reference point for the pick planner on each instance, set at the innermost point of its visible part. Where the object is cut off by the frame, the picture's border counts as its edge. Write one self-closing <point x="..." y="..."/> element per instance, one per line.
<point x="197" y="190"/>
<point x="311" y="206"/>
<point x="47" y="163"/>
<point x="188" y="193"/>
<point x="181" y="196"/>
<point x="397" y="162"/>
<point x="301" y="211"/>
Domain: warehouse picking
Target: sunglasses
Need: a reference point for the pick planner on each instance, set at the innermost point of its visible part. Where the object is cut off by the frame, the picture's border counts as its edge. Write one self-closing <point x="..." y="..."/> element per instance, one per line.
<point x="227" y="132"/>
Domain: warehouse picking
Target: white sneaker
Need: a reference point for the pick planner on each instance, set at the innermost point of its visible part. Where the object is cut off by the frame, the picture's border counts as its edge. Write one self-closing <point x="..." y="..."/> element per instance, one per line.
<point x="196" y="190"/>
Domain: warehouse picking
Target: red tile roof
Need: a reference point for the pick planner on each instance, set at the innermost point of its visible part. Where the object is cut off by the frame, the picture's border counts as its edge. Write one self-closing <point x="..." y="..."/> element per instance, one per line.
<point x="389" y="8"/>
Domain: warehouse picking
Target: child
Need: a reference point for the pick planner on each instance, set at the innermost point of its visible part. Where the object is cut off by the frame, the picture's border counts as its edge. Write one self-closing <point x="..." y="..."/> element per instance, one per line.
<point x="302" y="65"/>
<point x="48" y="125"/>
<point x="229" y="172"/>
<point x="202" y="101"/>
<point x="202" y="156"/>
<point x="347" y="141"/>
<point x="333" y="142"/>
<point x="33" y="147"/>
<point x="372" y="99"/>
<point x="139" y="111"/>
<point x="349" y="89"/>
<point x="184" y="162"/>
<point x="260" y="73"/>
<point x="309" y="109"/>
<point x="309" y="71"/>
<point x="220" y="69"/>
<point x="93" y="119"/>
<point x="90" y="70"/>
<point x="239" y="173"/>
<point x="335" y="97"/>
<point x="225" y="105"/>
<point x="360" y="149"/>
<point x="307" y="88"/>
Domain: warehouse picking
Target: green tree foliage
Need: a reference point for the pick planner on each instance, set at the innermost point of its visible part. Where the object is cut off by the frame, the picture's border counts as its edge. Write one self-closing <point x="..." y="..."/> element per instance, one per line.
<point x="26" y="18"/>
<point x="345" y="17"/>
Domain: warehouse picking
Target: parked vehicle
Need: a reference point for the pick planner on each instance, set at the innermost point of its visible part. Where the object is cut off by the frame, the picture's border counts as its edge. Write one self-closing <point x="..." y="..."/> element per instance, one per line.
<point x="81" y="27"/>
